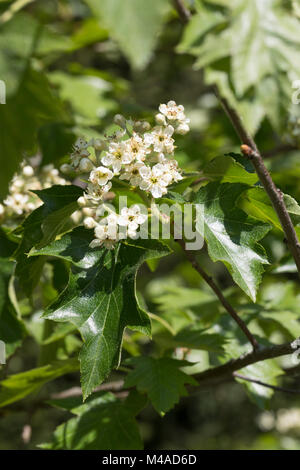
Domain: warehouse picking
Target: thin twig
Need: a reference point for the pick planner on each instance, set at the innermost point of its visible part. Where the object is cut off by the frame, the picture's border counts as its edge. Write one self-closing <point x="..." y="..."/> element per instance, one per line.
<point x="183" y="12"/>
<point x="228" y="307"/>
<point x="280" y="149"/>
<point x="264" y="384"/>
<point x="224" y="372"/>
<point x="251" y="151"/>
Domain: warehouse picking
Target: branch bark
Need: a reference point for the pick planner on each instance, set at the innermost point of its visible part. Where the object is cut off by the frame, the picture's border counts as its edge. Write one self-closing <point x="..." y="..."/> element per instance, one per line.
<point x="251" y="151"/>
<point x="225" y="371"/>
<point x="264" y="384"/>
<point x="183" y="12"/>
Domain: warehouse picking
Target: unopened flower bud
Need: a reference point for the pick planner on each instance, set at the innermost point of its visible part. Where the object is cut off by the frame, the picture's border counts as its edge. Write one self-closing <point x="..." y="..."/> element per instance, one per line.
<point x="99" y="145"/>
<point x="145" y="126"/>
<point x="86" y="165"/>
<point x="120" y="120"/>
<point x="89" y="222"/>
<point x="81" y="201"/>
<point x="65" y="168"/>
<point x="28" y="170"/>
<point x="160" y="119"/>
<point x="182" y="129"/>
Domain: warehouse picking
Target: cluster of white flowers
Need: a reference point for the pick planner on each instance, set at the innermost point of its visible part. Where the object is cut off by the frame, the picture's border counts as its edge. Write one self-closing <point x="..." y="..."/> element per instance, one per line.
<point x="137" y="153"/>
<point x="20" y="200"/>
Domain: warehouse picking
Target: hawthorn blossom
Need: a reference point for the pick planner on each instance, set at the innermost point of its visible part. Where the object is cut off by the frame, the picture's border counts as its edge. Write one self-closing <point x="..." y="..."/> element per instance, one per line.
<point x="154" y="180"/>
<point x="176" y="115"/>
<point x="131" y="218"/>
<point x="137" y="147"/>
<point x="101" y="176"/>
<point x="161" y="139"/>
<point x="116" y="155"/>
<point x="106" y="232"/>
<point x="172" y="112"/>
<point x="132" y="173"/>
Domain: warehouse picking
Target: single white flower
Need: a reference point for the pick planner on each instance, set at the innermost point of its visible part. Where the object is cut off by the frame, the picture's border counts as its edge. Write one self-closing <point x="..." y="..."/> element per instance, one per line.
<point x="116" y="156"/>
<point x="132" y="173"/>
<point x="132" y="218"/>
<point x="172" y="111"/>
<point x="94" y="193"/>
<point x="106" y="232"/>
<point x="137" y="147"/>
<point x="161" y="139"/>
<point x="101" y="176"/>
<point x="154" y="180"/>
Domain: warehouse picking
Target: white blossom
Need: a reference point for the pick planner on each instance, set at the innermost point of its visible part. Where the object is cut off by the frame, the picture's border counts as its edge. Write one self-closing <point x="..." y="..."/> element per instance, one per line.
<point x="161" y="139"/>
<point x="117" y="155"/>
<point x="172" y="111"/>
<point x="132" y="173"/>
<point x="131" y="218"/>
<point x="106" y="232"/>
<point x="101" y="176"/>
<point x="154" y="180"/>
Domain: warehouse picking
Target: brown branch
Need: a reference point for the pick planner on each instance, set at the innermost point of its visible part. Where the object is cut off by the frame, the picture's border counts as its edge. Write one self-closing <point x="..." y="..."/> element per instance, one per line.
<point x="182" y="11"/>
<point x="115" y="386"/>
<point x="280" y="149"/>
<point x="264" y="384"/>
<point x="228" y="307"/>
<point x="224" y="372"/>
<point x="251" y="151"/>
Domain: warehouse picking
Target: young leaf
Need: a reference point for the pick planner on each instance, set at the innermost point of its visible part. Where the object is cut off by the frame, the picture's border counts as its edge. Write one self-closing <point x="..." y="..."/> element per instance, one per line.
<point x="104" y="423"/>
<point x="265" y="371"/>
<point x="226" y="169"/>
<point x="101" y="299"/>
<point x="141" y="24"/>
<point x="161" y="379"/>
<point x="231" y="235"/>
<point x="12" y="329"/>
<point x="256" y="203"/>
<point x="41" y="227"/>
<point x="18" y="386"/>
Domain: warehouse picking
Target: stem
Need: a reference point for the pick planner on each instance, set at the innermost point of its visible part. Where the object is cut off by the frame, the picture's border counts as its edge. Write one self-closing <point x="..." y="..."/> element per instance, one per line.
<point x="14" y="8"/>
<point x="251" y="151"/>
<point x="183" y="12"/>
<point x="225" y="371"/>
<point x="228" y="307"/>
<point x="263" y="384"/>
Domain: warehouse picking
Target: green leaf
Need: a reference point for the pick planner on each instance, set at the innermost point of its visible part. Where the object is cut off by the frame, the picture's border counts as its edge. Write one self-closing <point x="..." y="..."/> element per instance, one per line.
<point x="137" y="30"/>
<point x="259" y="41"/>
<point x="161" y="379"/>
<point x="55" y="141"/>
<point x="192" y="337"/>
<point x="86" y="95"/>
<point x="104" y="423"/>
<point x="42" y="226"/>
<point x="30" y="102"/>
<point x="256" y="203"/>
<point x="12" y="329"/>
<point x="226" y="169"/>
<point x="265" y="371"/>
<point x="231" y="235"/>
<point x="100" y="299"/>
<point x="18" y="386"/>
